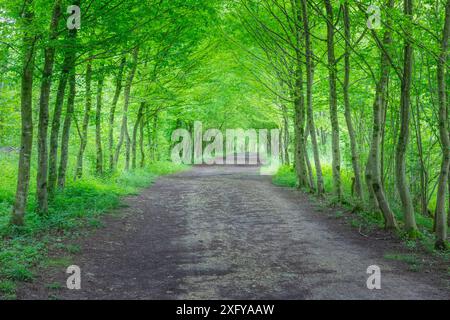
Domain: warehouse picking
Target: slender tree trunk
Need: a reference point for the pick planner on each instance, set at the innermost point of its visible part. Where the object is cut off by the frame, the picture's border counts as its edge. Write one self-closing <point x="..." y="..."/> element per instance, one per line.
<point x="124" y="135"/>
<point x="42" y="169"/>
<point x="423" y="168"/>
<point x="141" y="140"/>
<point x="62" y="172"/>
<point x="440" y="215"/>
<point x="403" y="138"/>
<point x="299" y="108"/>
<point x="309" y="98"/>
<point x="286" y="139"/>
<point x="308" y="162"/>
<point x="26" y="103"/>
<point x="113" y="112"/>
<point x="56" y="123"/>
<point x="154" y="142"/>
<point x="373" y="172"/>
<point x="67" y="67"/>
<point x="300" y="164"/>
<point x="150" y="123"/>
<point x="348" y="113"/>
<point x="373" y="203"/>
<point x="85" y="127"/>
<point x="135" y="136"/>
<point x="98" y="122"/>
<point x="336" y="154"/>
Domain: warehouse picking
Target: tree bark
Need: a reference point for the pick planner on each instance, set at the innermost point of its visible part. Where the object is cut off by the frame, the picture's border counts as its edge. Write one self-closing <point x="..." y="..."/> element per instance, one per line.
<point x="67" y="67"/>
<point x="26" y="104"/>
<point x="423" y="168"/>
<point x="124" y="135"/>
<point x="42" y="168"/>
<point x="62" y="171"/>
<point x="373" y="172"/>
<point x="440" y="215"/>
<point x="113" y="112"/>
<point x="135" y="135"/>
<point x="348" y="113"/>
<point x="308" y="162"/>
<point x="309" y="98"/>
<point x="286" y="139"/>
<point x="336" y="154"/>
<point x="403" y="138"/>
<point x="141" y="140"/>
<point x="98" y="125"/>
<point x="299" y="108"/>
<point x="85" y="126"/>
<point x="153" y="142"/>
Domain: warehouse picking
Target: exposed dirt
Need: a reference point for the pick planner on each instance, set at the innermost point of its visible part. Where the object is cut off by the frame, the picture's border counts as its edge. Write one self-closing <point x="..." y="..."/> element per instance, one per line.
<point x="228" y="233"/>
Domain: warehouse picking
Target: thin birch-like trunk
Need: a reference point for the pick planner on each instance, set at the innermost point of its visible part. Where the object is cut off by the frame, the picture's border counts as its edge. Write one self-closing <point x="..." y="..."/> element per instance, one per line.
<point x="348" y="114"/>
<point x="62" y="170"/>
<point x="85" y="126"/>
<point x="332" y="77"/>
<point x="47" y="73"/>
<point x="124" y="135"/>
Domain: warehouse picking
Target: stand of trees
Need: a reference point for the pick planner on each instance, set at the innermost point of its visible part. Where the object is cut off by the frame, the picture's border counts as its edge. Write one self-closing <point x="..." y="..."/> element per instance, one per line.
<point x="387" y="103"/>
<point x="370" y="104"/>
<point x="121" y="44"/>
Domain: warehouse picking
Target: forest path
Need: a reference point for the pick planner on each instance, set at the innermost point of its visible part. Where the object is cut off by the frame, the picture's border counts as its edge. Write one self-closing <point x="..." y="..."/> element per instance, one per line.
<point x="226" y="232"/>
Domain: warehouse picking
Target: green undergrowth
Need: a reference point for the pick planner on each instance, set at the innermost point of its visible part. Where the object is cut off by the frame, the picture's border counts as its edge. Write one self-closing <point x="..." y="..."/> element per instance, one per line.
<point x="424" y="239"/>
<point x="71" y="212"/>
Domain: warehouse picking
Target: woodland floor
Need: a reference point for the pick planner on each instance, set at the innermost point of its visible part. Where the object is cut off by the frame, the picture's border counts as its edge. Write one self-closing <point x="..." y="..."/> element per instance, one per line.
<point x="226" y="232"/>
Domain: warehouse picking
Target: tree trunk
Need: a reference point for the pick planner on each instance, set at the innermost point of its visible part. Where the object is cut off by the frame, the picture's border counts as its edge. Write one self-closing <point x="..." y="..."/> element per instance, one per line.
<point x="423" y="168"/>
<point x="299" y="108"/>
<point x="135" y="134"/>
<point x="403" y="138"/>
<point x="85" y="126"/>
<point x="154" y="143"/>
<point x="373" y="172"/>
<point x="308" y="162"/>
<point x="348" y="113"/>
<point x="336" y="154"/>
<point x="124" y="135"/>
<point x="309" y="98"/>
<point x="42" y="169"/>
<point x="286" y="139"/>
<point x="98" y="122"/>
<point x="113" y="112"/>
<point x="141" y="140"/>
<point x="62" y="172"/>
<point x="68" y="65"/>
<point x="26" y="104"/>
<point x="440" y="215"/>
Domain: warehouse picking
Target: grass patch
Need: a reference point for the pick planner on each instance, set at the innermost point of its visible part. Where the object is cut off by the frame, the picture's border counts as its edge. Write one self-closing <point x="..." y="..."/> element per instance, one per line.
<point x="412" y="260"/>
<point x="8" y="289"/>
<point x="79" y="206"/>
<point x="54" y="286"/>
<point x="58" y="262"/>
<point x="285" y="177"/>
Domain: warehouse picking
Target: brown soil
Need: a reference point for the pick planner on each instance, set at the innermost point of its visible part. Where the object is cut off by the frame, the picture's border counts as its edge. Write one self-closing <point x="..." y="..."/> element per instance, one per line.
<point x="226" y="232"/>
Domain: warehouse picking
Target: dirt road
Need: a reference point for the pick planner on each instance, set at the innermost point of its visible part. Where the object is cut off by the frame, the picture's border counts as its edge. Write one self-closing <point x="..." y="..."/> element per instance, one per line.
<point x="228" y="233"/>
